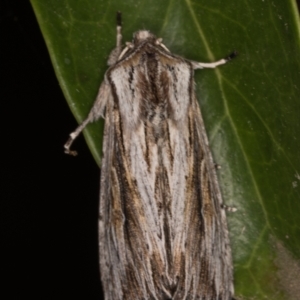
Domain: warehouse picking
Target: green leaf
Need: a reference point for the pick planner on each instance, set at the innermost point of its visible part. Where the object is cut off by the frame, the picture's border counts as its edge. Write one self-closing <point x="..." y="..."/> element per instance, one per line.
<point x="251" y="108"/>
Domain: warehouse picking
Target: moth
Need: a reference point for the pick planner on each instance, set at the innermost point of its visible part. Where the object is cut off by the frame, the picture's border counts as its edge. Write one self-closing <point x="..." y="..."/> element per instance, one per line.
<point x="162" y="227"/>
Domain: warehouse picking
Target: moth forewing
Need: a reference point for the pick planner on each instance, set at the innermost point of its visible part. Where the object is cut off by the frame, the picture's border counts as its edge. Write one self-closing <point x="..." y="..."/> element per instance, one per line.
<point x="162" y="230"/>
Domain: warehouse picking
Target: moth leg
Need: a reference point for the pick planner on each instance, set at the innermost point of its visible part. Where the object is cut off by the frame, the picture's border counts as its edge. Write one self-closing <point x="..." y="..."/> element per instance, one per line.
<point x="115" y="53"/>
<point x="200" y="65"/>
<point x="74" y="135"/>
<point x="95" y="113"/>
<point x="103" y="94"/>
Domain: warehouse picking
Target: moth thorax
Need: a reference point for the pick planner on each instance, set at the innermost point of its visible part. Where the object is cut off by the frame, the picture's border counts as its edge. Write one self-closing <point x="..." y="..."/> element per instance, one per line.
<point x="143" y="35"/>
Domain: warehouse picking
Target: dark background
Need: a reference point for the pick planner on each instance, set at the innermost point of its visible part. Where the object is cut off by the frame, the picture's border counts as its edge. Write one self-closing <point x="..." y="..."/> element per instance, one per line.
<point x="49" y="202"/>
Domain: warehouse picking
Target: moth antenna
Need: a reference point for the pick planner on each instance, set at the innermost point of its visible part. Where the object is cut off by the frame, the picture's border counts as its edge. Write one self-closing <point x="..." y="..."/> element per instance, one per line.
<point x="201" y="65"/>
<point x="119" y="32"/>
<point x="119" y="18"/>
<point x="115" y="53"/>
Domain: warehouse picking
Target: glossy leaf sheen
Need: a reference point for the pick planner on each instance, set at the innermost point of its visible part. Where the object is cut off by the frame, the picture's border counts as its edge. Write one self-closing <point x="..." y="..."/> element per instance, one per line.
<point x="251" y="108"/>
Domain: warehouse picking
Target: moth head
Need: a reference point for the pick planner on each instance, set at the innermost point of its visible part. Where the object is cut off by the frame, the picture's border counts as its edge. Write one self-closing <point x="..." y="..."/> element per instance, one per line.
<point x="142" y="36"/>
